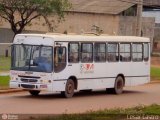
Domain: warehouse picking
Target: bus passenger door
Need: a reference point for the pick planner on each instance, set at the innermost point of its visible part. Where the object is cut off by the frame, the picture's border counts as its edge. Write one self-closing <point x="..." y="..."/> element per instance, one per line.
<point x="60" y="57"/>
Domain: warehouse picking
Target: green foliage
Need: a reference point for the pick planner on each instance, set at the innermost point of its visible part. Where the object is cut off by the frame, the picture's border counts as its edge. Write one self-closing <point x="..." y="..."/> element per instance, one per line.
<point x="19" y="13"/>
<point x="141" y="109"/>
<point x="155" y="73"/>
<point x="152" y="110"/>
<point x="4" y="82"/>
<point x="5" y="63"/>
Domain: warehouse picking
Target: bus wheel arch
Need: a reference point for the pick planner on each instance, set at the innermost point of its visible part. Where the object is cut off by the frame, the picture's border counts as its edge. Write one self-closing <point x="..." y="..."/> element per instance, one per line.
<point x="75" y="81"/>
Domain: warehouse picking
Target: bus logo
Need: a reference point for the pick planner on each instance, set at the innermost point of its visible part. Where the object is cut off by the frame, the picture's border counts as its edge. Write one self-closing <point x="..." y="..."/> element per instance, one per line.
<point x="86" y="68"/>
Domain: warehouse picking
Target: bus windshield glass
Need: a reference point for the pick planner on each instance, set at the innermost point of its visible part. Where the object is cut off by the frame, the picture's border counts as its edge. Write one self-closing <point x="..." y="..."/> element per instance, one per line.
<point x="32" y="58"/>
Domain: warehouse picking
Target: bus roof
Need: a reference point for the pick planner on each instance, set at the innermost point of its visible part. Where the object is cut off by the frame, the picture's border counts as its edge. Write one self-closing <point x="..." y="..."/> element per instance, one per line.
<point x="85" y="38"/>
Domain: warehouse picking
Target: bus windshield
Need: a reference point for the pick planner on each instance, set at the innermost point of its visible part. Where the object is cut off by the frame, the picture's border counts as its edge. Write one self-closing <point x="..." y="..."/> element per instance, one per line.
<point x="32" y="58"/>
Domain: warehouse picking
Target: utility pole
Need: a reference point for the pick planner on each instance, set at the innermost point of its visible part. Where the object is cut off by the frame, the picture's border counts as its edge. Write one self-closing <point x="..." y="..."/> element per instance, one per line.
<point x="139" y="17"/>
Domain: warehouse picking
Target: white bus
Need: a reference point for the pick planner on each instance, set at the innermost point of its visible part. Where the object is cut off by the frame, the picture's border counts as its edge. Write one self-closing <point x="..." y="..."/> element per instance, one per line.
<point x="69" y="63"/>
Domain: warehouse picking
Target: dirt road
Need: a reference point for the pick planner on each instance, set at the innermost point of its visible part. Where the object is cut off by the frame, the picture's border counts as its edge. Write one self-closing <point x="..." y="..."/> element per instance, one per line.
<point x="23" y="103"/>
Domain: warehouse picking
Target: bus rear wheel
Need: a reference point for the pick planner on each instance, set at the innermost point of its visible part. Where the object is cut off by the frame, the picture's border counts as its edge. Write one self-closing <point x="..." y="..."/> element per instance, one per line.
<point x="34" y="92"/>
<point x="118" y="86"/>
<point x="69" y="89"/>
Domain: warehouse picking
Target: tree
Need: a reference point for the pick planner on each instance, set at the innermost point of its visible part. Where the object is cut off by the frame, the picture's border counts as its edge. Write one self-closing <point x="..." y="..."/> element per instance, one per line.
<point x="20" y="13"/>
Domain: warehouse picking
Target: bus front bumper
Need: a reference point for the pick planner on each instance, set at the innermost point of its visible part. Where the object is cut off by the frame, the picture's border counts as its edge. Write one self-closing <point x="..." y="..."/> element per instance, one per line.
<point x="31" y="86"/>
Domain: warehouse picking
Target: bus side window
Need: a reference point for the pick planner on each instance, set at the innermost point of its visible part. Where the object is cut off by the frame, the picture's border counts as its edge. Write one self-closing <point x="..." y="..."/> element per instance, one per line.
<point x="113" y="52"/>
<point x="59" y="59"/>
<point x="146" y="51"/>
<point x="137" y="52"/>
<point x="125" y="52"/>
<point x="100" y="52"/>
<point x="87" y="52"/>
<point x="73" y="52"/>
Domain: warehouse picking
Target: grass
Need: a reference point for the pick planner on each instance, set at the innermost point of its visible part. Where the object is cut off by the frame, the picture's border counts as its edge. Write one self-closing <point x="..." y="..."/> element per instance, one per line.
<point x="152" y="109"/>
<point x="4" y="82"/>
<point x="155" y="73"/>
<point x="110" y="114"/>
<point x="5" y="63"/>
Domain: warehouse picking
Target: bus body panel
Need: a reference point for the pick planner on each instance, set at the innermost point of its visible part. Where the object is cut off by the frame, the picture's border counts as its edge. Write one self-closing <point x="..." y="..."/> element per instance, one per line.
<point x="33" y="40"/>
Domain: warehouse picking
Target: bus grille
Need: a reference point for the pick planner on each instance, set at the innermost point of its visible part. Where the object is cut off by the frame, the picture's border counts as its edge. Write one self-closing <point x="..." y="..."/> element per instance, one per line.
<point x="27" y="86"/>
<point x="28" y="80"/>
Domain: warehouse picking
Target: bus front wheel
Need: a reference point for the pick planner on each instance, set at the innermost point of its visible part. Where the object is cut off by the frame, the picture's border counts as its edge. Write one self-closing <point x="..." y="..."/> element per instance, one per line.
<point x="69" y="89"/>
<point x="34" y="92"/>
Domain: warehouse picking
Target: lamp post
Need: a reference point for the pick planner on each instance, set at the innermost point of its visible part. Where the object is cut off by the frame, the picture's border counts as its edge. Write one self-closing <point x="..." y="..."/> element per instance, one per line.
<point x="139" y="17"/>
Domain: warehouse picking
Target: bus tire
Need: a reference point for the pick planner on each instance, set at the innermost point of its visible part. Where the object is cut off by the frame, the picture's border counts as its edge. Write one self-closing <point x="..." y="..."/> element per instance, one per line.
<point x="69" y="89"/>
<point x="118" y="86"/>
<point x="34" y="92"/>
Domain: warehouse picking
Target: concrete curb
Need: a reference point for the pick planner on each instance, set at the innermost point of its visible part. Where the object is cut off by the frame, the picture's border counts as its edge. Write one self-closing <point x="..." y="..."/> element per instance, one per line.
<point x="10" y="91"/>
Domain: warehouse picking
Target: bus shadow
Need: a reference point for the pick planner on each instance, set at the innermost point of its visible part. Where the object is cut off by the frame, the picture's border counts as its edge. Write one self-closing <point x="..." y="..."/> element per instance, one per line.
<point x="41" y="96"/>
<point x="133" y="92"/>
<point x="79" y="94"/>
<point x="104" y="93"/>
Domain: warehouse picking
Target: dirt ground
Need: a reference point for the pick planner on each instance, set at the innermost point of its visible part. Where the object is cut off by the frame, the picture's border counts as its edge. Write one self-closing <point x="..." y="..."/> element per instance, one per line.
<point x="155" y="61"/>
<point x="48" y="103"/>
